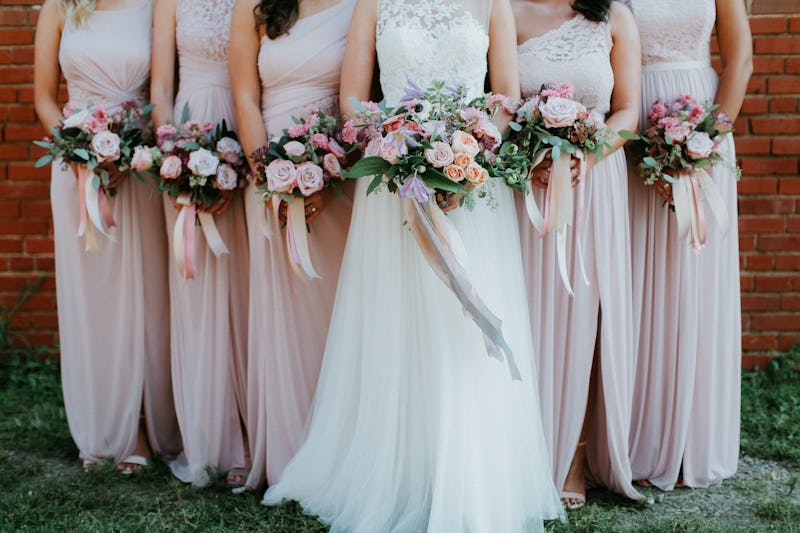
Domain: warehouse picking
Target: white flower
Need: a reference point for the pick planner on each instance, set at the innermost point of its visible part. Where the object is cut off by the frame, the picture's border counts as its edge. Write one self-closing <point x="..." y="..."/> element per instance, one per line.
<point x="106" y="146"/>
<point x="203" y="163"/>
<point x="699" y="145"/>
<point x="560" y="112"/>
<point x="294" y="148"/>
<point x="142" y="159"/>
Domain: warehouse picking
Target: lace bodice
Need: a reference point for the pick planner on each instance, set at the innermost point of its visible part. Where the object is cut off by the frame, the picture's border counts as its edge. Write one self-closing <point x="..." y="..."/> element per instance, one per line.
<point x="578" y="52"/>
<point x="674" y="31"/>
<point x="203" y="28"/>
<point x="428" y="40"/>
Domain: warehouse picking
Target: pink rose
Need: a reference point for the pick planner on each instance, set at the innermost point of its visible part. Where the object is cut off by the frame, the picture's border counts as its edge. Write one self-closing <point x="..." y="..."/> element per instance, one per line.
<point x="105" y="145"/>
<point x="281" y="175"/>
<point x="373" y="148"/>
<point x="668" y="122"/>
<point x="95" y="125"/>
<point x="309" y="178"/>
<point x="142" y="159"/>
<point x="229" y="149"/>
<point x="320" y="140"/>
<point x="171" y="167"/>
<point x="295" y="148"/>
<point x="462" y="159"/>
<point x="464" y="142"/>
<point x="489" y="134"/>
<point x="454" y="173"/>
<point x="336" y="149"/>
<point x="678" y="133"/>
<point x="559" y="112"/>
<point x="227" y="178"/>
<point x="203" y="163"/>
<point x="699" y="145"/>
<point x="439" y="154"/>
<point x="476" y="174"/>
<point x="331" y="165"/>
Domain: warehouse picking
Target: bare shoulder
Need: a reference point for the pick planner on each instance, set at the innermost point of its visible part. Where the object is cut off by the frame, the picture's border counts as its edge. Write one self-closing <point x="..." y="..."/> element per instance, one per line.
<point x="621" y="19"/>
<point x="52" y="13"/>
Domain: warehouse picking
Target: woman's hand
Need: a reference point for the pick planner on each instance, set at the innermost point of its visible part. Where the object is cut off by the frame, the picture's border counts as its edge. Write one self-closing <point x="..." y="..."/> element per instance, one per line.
<point x="115" y="178"/>
<point x="540" y="175"/>
<point x="314" y="205"/>
<point x="448" y="202"/>
<point x="221" y="206"/>
<point x="664" y="188"/>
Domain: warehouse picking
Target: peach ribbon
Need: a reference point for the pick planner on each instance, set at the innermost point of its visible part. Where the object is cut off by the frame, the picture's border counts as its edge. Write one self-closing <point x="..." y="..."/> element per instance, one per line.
<point x="559" y="209"/>
<point x="94" y="204"/>
<point x="297" y="246"/>
<point x="183" y="236"/>
<point x="689" y="211"/>
<point x="444" y="251"/>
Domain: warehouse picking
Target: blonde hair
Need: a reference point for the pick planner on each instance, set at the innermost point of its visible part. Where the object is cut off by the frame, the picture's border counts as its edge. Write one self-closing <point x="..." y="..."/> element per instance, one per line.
<point x="77" y="11"/>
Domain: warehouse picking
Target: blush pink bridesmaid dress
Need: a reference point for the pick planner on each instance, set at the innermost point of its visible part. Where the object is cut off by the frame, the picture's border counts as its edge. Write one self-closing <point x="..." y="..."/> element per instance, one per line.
<point x="288" y="316"/>
<point x="686" y="305"/>
<point x="572" y="341"/>
<point x="209" y="312"/>
<point x="113" y="306"/>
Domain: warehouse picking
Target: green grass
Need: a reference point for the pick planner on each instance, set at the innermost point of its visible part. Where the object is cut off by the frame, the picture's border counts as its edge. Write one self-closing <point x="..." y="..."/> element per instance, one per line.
<point x="42" y="487"/>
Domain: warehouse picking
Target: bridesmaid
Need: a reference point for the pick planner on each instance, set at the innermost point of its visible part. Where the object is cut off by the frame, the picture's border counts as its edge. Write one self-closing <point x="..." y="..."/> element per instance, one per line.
<point x="285" y="57"/>
<point x="584" y="344"/>
<point x="112" y="317"/>
<point x="685" y="427"/>
<point x="209" y="313"/>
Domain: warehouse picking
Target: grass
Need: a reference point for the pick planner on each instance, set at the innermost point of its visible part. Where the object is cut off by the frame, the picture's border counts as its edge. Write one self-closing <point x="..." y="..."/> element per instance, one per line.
<point x="42" y="487"/>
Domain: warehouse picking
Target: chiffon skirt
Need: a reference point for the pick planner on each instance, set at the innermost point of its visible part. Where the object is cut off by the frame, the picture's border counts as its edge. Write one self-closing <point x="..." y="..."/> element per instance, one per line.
<point x="414" y="427"/>
<point x="573" y="342"/>
<point x="288" y="325"/>
<point x="114" y="323"/>
<point x="688" y="335"/>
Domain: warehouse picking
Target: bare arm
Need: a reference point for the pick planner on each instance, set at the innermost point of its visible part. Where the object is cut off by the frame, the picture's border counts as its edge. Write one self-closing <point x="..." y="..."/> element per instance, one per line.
<point x="626" y="61"/>
<point x="245" y="81"/>
<point x="46" y="69"/>
<point x="358" y="64"/>
<point x="162" y="76"/>
<point x="503" y="66"/>
<point x="736" y="51"/>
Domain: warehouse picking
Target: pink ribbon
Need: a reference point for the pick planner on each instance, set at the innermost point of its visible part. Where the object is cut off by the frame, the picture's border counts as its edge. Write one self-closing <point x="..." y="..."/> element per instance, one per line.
<point x="82" y="170"/>
<point x="687" y="197"/>
<point x="183" y="237"/>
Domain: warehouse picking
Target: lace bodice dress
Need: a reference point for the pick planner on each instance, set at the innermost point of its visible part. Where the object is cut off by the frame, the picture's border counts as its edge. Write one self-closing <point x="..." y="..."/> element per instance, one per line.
<point x="686" y="404"/>
<point x="399" y="440"/>
<point x="565" y="329"/>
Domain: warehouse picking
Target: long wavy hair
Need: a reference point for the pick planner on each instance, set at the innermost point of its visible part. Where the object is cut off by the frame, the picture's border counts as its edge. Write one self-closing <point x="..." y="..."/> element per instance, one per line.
<point x="77" y="11"/>
<point x="594" y="10"/>
<point x="276" y="16"/>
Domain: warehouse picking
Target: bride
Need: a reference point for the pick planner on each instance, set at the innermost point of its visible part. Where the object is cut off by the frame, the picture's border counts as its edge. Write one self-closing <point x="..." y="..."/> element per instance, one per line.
<point x="414" y="427"/>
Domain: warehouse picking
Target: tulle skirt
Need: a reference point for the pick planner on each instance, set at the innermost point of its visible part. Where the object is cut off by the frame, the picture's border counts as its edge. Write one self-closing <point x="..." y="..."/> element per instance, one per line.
<point x="589" y="333"/>
<point x="414" y="427"/>
<point x="688" y="335"/>
<point x="113" y="317"/>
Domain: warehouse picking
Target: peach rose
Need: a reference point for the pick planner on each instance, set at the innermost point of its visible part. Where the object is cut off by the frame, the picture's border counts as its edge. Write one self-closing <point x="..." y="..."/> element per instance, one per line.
<point x="476" y="174"/>
<point x="462" y="159"/>
<point x="464" y="142"/>
<point x="171" y="167"/>
<point x="454" y="173"/>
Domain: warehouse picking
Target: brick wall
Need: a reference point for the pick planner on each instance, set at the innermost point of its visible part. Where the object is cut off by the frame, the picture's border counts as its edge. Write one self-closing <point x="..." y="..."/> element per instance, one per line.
<point x="769" y="204"/>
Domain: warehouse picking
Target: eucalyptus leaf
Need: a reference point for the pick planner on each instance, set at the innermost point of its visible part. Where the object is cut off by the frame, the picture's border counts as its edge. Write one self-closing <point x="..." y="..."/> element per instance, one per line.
<point x="42" y="161"/>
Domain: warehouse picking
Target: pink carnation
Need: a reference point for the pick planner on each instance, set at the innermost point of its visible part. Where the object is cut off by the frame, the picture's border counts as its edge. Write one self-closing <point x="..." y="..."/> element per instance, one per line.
<point x="562" y="90"/>
<point x="298" y="130"/>
<point x="349" y="132"/>
<point x="320" y="140"/>
<point x="695" y="114"/>
<point x="657" y="112"/>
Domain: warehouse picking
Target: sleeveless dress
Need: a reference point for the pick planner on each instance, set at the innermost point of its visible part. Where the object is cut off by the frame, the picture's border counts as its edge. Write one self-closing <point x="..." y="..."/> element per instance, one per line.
<point x="687" y="305"/>
<point x="288" y="316"/>
<point x="209" y="313"/>
<point x="113" y="306"/>
<point x="572" y="341"/>
<point x="414" y="427"/>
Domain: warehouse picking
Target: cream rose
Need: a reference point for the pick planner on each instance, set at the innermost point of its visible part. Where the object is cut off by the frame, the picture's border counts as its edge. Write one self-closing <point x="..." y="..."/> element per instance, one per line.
<point x="105" y="145"/>
<point x="203" y="163"/>
<point x="281" y="175"/>
<point x="678" y="134"/>
<point x="171" y="167"/>
<point x="294" y="148"/>
<point x="454" y="173"/>
<point x="699" y="145"/>
<point x="464" y="142"/>
<point x="439" y="154"/>
<point x="331" y="165"/>
<point x="476" y="174"/>
<point x="559" y="112"/>
<point x="229" y="149"/>
<point x="309" y="178"/>
<point x="142" y="159"/>
<point x="227" y="179"/>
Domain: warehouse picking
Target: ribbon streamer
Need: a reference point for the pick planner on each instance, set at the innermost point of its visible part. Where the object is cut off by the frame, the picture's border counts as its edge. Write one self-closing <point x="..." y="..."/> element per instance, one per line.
<point x="687" y="196"/>
<point x="94" y="204"/>
<point x="297" y="240"/>
<point x="441" y="246"/>
<point x="559" y="209"/>
<point x="183" y="236"/>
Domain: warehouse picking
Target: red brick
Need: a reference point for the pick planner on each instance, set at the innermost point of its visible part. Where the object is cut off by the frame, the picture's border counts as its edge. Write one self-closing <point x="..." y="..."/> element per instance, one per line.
<point x="18" y="17"/>
<point x="776" y="45"/>
<point x="781" y="322"/>
<point x="778" y="283"/>
<point x="752" y="146"/>
<point x="760" y="302"/>
<point x="791" y="302"/>
<point x="765" y="206"/>
<point x="762" y="342"/>
<point x="757" y="185"/>
<point x="782" y="85"/>
<point x="768" y="166"/>
<point x="755" y="104"/>
<point x="775" y="125"/>
<point x="787" y="262"/>
<point x="15" y="36"/>
<point x="783" y="104"/>
<point x="778" y="242"/>
<point x="786" y="146"/>
<point x="761" y="224"/>
<point x="34" y="246"/>
<point x="763" y="25"/>
<point x="769" y="65"/>
<point x="787" y="340"/>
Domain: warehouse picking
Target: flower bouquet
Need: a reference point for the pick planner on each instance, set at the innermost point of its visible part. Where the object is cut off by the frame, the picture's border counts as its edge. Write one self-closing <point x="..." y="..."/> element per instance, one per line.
<point x="435" y="144"/>
<point x="305" y="160"/>
<point x="553" y="124"/>
<point x="96" y="141"/>
<point x="674" y="156"/>
<point x="199" y="165"/>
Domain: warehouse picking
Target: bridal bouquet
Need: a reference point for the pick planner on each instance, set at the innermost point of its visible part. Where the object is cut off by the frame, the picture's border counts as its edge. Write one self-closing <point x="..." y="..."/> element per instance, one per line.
<point x="199" y="165"/>
<point x="96" y="141"/>
<point x="674" y="156"/>
<point x="553" y="124"/>
<point x="435" y="144"/>
<point x="305" y="160"/>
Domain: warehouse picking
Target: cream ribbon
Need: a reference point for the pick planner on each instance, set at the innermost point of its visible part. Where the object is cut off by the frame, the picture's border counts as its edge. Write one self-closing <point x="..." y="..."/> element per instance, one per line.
<point x="689" y="212"/>
<point x="94" y="204"/>
<point x="183" y="236"/>
<point x="297" y="240"/>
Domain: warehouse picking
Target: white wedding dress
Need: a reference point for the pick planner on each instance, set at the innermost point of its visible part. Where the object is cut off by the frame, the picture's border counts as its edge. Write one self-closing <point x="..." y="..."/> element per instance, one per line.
<point x="414" y="427"/>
